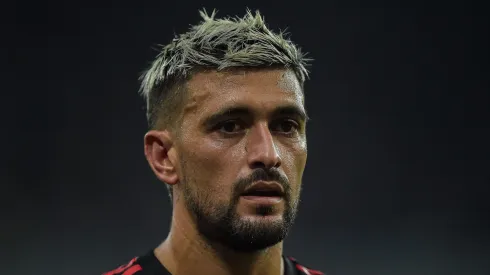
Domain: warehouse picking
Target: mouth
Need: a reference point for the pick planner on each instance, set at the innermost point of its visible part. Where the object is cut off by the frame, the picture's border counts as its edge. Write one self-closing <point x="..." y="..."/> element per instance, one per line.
<point x="264" y="193"/>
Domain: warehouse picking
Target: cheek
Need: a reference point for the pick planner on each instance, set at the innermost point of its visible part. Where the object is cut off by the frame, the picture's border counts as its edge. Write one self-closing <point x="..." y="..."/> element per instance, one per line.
<point x="212" y="170"/>
<point x="300" y="163"/>
<point x="294" y="161"/>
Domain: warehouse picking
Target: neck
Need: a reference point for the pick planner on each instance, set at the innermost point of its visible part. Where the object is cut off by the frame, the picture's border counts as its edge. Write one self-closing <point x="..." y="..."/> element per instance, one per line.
<point x="184" y="251"/>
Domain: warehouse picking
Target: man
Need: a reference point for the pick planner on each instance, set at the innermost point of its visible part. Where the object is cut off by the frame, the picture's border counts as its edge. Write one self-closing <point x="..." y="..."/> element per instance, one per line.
<point x="227" y="135"/>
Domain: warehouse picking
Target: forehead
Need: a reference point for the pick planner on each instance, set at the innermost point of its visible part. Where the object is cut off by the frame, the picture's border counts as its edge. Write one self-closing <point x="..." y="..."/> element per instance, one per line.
<point x="265" y="87"/>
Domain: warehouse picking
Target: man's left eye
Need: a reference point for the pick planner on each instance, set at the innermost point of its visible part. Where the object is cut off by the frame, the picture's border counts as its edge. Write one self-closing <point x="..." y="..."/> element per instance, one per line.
<point x="287" y="126"/>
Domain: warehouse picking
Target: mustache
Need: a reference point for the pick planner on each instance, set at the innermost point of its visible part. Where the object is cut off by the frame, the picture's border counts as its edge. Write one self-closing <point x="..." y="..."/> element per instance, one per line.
<point x="261" y="174"/>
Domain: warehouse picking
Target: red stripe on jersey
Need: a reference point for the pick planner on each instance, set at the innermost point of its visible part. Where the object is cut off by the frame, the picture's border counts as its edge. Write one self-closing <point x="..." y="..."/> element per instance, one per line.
<point x="121" y="268"/>
<point x="308" y="271"/>
<point x="305" y="270"/>
<point x="132" y="270"/>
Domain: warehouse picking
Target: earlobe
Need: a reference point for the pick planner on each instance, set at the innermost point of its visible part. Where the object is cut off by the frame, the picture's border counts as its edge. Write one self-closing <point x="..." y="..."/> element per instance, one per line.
<point x="158" y="152"/>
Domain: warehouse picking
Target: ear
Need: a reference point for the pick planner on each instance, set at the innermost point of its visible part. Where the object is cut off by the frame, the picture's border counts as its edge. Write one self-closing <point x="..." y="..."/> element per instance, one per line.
<point x="160" y="153"/>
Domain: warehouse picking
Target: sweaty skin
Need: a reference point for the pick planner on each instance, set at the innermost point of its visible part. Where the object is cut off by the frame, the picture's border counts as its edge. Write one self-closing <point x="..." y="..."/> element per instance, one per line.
<point x="204" y="161"/>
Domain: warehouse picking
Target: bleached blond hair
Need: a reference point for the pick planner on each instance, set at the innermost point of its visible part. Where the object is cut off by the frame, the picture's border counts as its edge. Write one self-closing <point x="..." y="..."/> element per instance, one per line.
<point x="217" y="44"/>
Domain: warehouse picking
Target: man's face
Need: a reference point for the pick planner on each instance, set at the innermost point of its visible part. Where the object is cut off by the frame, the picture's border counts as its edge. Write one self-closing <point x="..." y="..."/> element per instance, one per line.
<point x="240" y="128"/>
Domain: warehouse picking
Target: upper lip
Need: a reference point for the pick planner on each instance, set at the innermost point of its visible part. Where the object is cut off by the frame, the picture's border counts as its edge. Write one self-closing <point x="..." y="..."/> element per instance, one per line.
<point x="265" y="186"/>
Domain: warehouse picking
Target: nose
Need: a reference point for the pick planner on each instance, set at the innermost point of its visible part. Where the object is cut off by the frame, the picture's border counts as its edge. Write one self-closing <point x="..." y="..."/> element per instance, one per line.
<point x="261" y="150"/>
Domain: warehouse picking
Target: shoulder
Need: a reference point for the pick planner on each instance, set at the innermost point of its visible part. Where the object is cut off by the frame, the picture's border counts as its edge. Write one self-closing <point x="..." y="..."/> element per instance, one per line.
<point x="299" y="268"/>
<point x="146" y="264"/>
<point x="126" y="269"/>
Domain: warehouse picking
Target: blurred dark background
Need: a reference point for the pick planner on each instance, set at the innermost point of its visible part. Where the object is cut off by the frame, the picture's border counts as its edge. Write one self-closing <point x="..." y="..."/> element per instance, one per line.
<point x="397" y="180"/>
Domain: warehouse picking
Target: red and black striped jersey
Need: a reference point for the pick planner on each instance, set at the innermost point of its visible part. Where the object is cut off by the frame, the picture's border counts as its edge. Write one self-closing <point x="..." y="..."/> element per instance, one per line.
<point x="149" y="265"/>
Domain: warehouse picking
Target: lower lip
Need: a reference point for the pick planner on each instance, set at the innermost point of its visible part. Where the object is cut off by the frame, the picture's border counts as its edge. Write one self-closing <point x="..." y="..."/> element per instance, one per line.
<point x="263" y="200"/>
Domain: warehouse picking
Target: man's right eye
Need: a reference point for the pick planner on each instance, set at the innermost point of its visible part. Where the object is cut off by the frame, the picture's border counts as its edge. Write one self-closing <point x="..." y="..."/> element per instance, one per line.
<point x="230" y="126"/>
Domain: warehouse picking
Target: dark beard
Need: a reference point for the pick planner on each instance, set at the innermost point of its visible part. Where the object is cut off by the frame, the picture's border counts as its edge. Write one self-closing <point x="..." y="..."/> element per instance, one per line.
<point x="221" y="223"/>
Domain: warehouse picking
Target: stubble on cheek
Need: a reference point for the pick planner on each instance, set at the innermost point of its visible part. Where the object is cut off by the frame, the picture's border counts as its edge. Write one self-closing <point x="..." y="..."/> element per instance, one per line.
<point x="208" y="180"/>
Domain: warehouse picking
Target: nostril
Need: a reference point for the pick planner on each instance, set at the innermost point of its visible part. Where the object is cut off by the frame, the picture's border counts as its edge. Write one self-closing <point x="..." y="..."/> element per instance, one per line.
<point x="258" y="164"/>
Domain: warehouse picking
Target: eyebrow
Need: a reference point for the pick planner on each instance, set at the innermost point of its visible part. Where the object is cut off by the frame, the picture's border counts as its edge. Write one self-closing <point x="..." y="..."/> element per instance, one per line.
<point x="291" y="110"/>
<point x="233" y="111"/>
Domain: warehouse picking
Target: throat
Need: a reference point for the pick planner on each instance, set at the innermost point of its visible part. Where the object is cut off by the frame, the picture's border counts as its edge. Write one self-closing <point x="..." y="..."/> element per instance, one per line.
<point x="218" y="260"/>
